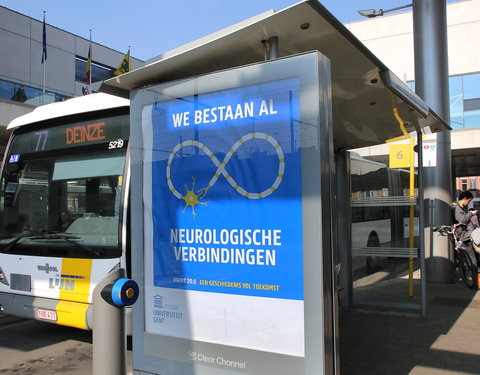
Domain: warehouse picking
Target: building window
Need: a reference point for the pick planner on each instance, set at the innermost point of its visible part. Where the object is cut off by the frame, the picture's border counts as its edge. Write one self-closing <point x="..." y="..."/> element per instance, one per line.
<point x="471" y="86"/>
<point x="464" y="100"/>
<point x="464" y="184"/>
<point x="473" y="184"/>
<point x="99" y="72"/>
<point x="20" y="92"/>
<point x="456" y="102"/>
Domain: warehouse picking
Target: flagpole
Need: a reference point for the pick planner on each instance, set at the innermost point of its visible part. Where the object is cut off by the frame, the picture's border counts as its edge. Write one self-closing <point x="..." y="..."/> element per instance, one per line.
<point x="91" y="54"/>
<point x="45" y="61"/>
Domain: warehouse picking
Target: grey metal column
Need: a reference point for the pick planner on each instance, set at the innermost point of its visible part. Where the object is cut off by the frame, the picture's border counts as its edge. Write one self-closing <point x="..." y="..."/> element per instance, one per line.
<point x="421" y="224"/>
<point x="273" y="48"/>
<point x="344" y="223"/>
<point x="109" y="338"/>
<point x="431" y="83"/>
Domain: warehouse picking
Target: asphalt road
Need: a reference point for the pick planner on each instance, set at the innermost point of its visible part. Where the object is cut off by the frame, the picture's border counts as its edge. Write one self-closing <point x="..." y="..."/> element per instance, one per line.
<point x="36" y="348"/>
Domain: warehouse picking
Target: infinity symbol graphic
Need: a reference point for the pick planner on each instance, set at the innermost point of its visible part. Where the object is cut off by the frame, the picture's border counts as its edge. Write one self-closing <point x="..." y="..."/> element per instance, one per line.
<point x="192" y="199"/>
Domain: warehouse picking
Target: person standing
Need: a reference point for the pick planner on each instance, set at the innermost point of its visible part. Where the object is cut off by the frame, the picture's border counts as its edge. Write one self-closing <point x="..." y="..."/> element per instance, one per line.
<point x="464" y="216"/>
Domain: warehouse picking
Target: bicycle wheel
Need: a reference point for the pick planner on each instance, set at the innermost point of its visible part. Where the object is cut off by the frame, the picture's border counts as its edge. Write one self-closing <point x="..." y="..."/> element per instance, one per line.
<point x="468" y="271"/>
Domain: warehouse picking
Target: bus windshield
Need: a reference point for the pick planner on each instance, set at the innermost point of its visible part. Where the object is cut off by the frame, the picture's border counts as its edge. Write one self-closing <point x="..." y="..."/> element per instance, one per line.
<point x="61" y="202"/>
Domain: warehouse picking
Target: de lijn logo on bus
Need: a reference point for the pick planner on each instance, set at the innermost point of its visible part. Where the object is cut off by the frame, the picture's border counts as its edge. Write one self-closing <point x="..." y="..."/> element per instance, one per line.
<point x="194" y="197"/>
<point x="64" y="282"/>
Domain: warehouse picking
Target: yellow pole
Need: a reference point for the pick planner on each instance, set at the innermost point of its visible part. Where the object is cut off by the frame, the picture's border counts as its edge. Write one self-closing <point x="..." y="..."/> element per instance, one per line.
<point x="412" y="196"/>
<point x="411" y="221"/>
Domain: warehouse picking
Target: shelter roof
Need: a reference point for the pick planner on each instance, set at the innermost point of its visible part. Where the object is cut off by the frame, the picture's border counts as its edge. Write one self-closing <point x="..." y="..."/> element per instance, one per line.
<point x="368" y="99"/>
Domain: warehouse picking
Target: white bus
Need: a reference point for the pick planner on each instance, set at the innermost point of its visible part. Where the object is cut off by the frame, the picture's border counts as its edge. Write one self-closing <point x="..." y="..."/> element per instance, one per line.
<point x="380" y="204"/>
<point x="63" y="199"/>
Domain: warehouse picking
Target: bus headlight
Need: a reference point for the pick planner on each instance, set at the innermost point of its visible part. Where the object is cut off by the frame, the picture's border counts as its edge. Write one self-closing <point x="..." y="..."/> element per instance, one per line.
<point x="3" y="277"/>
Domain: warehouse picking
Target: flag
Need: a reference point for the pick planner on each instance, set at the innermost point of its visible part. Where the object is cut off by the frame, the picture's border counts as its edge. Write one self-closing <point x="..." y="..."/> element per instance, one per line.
<point x="124" y="66"/>
<point x="44" y="53"/>
<point x="89" y="65"/>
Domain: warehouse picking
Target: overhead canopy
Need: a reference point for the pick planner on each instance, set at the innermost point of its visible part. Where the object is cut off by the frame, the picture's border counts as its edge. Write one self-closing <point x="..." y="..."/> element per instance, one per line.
<point x="366" y="96"/>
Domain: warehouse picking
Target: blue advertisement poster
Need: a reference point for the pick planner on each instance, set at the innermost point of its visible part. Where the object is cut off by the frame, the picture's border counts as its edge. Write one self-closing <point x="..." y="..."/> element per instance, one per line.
<point x="227" y="193"/>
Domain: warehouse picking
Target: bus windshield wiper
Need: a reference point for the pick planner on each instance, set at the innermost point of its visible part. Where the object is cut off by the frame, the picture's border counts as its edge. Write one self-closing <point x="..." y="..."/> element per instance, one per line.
<point x="55" y="236"/>
<point x="26" y="233"/>
<point x="70" y="238"/>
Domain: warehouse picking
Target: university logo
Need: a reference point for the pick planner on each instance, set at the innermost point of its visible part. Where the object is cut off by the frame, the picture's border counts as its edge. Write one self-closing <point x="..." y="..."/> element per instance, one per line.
<point x="158" y="302"/>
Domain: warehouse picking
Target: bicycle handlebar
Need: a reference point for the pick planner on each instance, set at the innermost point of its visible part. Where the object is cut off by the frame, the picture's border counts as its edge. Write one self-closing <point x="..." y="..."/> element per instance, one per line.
<point x="444" y="229"/>
<point x="449" y="229"/>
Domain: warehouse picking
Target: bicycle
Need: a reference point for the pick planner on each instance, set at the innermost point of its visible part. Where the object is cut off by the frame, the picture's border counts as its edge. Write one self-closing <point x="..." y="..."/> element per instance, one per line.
<point x="467" y="267"/>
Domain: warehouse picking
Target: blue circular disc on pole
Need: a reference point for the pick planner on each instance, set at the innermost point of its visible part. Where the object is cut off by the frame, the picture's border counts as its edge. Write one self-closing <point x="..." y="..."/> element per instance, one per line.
<point x="125" y="292"/>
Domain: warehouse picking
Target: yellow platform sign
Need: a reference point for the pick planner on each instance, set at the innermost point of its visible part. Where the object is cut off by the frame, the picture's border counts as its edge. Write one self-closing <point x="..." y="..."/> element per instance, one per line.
<point x="400" y="155"/>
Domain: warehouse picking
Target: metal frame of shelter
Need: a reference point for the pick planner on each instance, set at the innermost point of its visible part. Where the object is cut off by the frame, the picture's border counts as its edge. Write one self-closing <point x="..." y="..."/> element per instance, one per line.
<point x="370" y="105"/>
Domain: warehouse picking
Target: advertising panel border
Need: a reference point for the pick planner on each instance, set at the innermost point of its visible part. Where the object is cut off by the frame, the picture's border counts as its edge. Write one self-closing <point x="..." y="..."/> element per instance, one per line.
<point x="231" y="220"/>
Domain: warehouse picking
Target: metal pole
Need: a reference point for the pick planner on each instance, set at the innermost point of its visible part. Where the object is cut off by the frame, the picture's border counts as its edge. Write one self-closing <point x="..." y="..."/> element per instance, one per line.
<point x="109" y="338"/>
<point x="397" y="8"/>
<point x="431" y="83"/>
<point x="44" y="61"/>
<point x="344" y="221"/>
<point x="91" y="67"/>
<point x="421" y="224"/>
<point x="273" y="48"/>
<point x="411" y="221"/>
<point x="43" y="89"/>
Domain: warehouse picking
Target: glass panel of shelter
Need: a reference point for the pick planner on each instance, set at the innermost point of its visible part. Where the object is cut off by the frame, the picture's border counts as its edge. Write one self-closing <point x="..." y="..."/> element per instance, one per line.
<point x="382" y="254"/>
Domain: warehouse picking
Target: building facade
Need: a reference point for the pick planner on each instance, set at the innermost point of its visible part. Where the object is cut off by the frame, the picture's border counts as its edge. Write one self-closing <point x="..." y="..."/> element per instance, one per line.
<point x="390" y="38"/>
<point x="26" y="82"/>
<point x="471" y="183"/>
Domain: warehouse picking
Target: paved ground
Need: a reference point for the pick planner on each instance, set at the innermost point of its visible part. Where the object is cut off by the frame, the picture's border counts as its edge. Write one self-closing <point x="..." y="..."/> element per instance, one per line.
<point x="37" y="348"/>
<point x="373" y="340"/>
<point x="386" y="341"/>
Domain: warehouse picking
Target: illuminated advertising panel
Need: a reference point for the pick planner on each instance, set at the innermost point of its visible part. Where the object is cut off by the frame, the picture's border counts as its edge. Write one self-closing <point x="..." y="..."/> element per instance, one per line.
<point x="226" y="200"/>
<point x="221" y="169"/>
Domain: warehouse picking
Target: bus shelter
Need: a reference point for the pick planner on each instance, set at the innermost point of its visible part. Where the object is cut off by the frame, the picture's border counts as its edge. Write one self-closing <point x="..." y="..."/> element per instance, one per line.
<point x="241" y="193"/>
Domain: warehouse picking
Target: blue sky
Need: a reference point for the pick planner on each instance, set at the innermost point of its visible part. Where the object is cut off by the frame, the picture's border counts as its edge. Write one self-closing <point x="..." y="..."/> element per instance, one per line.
<point x="152" y="27"/>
